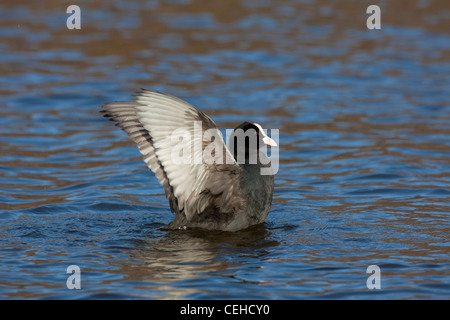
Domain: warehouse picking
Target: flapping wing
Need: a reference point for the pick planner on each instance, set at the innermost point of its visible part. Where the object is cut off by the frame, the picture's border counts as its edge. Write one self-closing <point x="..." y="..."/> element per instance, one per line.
<point x="170" y="134"/>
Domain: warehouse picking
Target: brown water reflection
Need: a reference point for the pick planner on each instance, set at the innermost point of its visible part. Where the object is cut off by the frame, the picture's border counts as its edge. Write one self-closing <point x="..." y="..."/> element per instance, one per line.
<point x="364" y="147"/>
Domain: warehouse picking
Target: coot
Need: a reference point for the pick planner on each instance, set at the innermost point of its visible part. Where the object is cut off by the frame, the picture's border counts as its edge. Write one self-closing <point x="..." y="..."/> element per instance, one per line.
<point x="208" y="185"/>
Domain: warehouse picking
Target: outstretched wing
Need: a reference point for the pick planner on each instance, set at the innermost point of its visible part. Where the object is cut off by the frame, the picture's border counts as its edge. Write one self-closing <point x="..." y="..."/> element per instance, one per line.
<point x="170" y="134"/>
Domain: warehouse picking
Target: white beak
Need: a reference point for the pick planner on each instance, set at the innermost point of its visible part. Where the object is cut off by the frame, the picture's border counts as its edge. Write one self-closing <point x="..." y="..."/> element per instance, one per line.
<point x="269" y="141"/>
<point x="266" y="139"/>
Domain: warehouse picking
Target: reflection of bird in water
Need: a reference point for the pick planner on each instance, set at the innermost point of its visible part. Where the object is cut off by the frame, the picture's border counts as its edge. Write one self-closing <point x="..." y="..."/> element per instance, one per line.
<point x="178" y="264"/>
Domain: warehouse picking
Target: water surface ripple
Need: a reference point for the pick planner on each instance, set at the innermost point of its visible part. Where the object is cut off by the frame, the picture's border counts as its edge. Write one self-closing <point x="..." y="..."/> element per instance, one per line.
<point x="364" y="176"/>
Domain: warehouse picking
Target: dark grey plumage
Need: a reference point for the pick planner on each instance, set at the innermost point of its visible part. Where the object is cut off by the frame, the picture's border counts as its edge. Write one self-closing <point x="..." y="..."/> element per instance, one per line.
<point x="222" y="195"/>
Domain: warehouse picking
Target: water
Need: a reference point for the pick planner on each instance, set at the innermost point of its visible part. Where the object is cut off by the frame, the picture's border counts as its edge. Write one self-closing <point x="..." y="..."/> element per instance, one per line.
<point x="364" y="121"/>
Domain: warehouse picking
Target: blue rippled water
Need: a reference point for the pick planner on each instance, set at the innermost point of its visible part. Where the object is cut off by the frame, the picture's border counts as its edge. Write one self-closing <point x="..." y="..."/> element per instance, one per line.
<point x="364" y="120"/>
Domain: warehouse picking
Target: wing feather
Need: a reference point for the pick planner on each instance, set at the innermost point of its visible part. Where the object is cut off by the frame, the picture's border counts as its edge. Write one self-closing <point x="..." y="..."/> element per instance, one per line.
<point x="190" y="186"/>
